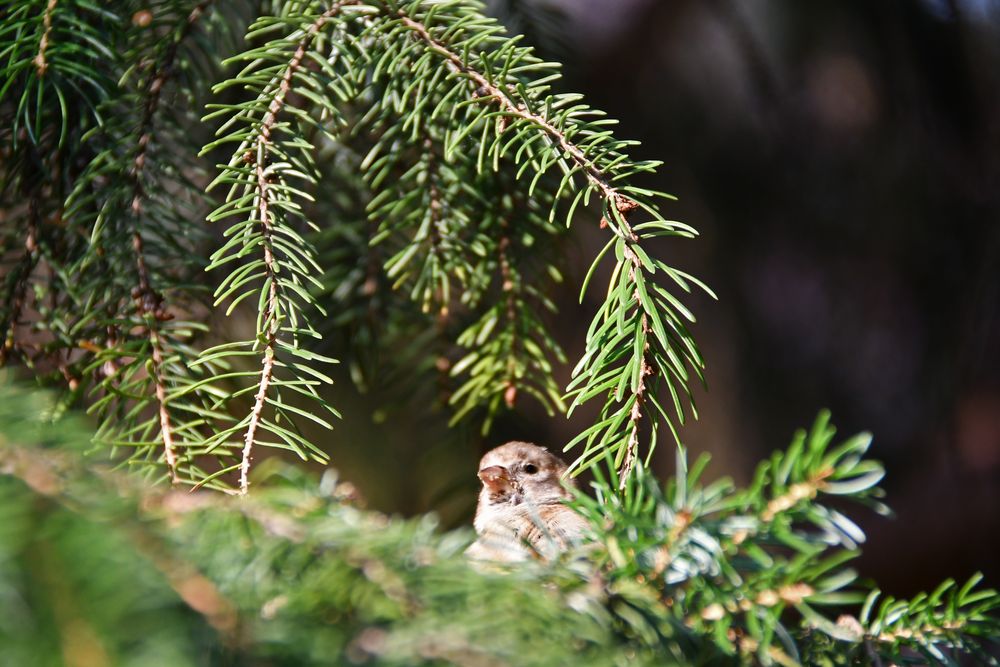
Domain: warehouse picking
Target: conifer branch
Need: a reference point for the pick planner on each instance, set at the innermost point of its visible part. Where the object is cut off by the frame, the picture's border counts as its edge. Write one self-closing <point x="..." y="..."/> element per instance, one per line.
<point x="150" y="302"/>
<point x="507" y="287"/>
<point x="618" y="209"/>
<point x="271" y="315"/>
<point x="14" y="299"/>
<point x="52" y="474"/>
<point x="487" y="90"/>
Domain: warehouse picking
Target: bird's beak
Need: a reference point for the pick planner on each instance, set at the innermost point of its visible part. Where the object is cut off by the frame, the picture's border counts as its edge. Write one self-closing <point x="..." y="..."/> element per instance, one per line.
<point x="496" y="478"/>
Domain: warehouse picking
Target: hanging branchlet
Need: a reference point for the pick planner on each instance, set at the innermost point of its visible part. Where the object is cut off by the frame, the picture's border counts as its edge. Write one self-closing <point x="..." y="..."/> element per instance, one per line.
<point x="58" y="69"/>
<point x="16" y="282"/>
<point x="508" y="352"/>
<point x="420" y="207"/>
<point x="271" y="315"/>
<point x="138" y="208"/>
<point x="639" y="330"/>
<point x="437" y="223"/>
<point x="150" y="305"/>
<point x="269" y="156"/>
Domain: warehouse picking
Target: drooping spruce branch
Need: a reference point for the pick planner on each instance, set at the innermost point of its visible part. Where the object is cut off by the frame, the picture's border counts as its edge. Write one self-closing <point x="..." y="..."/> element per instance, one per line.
<point x="139" y="207"/>
<point x="422" y="212"/>
<point x="149" y="302"/>
<point x="508" y="352"/>
<point x="450" y="231"/>
<point x="53" y="59"/>
<point x="260" y="174"/>
<point x="259" y="151"/>
<point x="16" y="281"/>
<point x="639" y="332"/>
<point x="55" y="70"/>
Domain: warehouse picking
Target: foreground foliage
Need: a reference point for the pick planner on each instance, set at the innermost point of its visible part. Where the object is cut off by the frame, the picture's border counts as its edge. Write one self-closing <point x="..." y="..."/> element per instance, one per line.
<point x="94" y="562"/>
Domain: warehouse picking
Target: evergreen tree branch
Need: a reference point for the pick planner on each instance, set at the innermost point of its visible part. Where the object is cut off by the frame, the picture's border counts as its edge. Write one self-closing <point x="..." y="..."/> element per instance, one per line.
<point x="18" y="280"/>
<point x="55" y="60"/>
<point x="671" y="576"/>
<point x="150" y="302"/>
<point x="490" y="92"/>
<point x="260" y="156"/>
<point x="638" y="333"/>
<point x="271" y="151"/>
<point x="54" y="475"/>
<point x="508" y="351"/>
<point x="135" y="207"/>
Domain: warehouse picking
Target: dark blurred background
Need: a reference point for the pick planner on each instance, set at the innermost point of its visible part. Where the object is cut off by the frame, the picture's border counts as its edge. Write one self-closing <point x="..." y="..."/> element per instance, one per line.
<point x="840" y="159"/>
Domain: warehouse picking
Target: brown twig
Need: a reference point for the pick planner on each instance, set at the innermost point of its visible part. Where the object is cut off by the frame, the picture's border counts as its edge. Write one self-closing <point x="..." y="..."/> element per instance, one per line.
<point x="263" y="194"/>
<point x="636" y="413"/>
<point x="456" y="64"/>
<point x="508" y="286"/>
<point x="19" y="287"/>
<point x="434" y="206"/>
<point x="149" y="302"/>
<point x="796" y="493"/>
<point x="40" y="61"/>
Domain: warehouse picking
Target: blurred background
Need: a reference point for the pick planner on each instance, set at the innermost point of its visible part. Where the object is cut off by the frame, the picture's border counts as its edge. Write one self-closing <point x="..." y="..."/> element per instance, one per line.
<point x="841" y="161"/>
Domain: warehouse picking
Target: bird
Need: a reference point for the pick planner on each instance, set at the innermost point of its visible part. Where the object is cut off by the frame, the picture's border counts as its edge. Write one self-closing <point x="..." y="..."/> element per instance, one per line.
<point x="520" y="514"/>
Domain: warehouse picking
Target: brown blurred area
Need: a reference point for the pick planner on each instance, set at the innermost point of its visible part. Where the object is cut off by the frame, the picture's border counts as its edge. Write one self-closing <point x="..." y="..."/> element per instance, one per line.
<point x="841" y="160"/>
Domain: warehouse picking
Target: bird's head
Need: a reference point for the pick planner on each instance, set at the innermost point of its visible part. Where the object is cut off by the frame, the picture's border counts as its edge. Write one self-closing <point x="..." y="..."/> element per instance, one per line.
<point x="519" y="471"/>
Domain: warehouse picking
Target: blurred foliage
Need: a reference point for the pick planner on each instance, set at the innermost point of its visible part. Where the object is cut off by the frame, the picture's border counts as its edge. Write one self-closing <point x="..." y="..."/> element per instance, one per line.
<point x="96" y="567"/>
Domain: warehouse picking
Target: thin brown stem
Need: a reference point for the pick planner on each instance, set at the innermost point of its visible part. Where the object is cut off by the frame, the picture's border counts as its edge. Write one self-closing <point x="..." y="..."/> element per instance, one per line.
<point x="507" y="103"/>
<point x="259" y="154"/>
<point x="40" y="61"/>
<point x="434" y="210"/>
<point x="509" y="286"/>
<point x="19" y="287"/>
<point x="149" y="302"/>
<point x="636" y="413"/>
<point x="796" y="493"/>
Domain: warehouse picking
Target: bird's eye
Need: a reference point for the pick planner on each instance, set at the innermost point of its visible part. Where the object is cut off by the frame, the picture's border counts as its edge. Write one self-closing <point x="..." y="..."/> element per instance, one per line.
<point x="531" y="468"/>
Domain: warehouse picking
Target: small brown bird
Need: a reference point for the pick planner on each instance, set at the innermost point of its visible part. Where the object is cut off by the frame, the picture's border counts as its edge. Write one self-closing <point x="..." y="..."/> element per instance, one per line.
<point x="520" y="514"/>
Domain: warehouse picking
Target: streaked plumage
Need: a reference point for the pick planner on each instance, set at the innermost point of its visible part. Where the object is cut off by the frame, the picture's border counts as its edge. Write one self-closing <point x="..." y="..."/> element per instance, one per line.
<point x="520" y="514"/>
